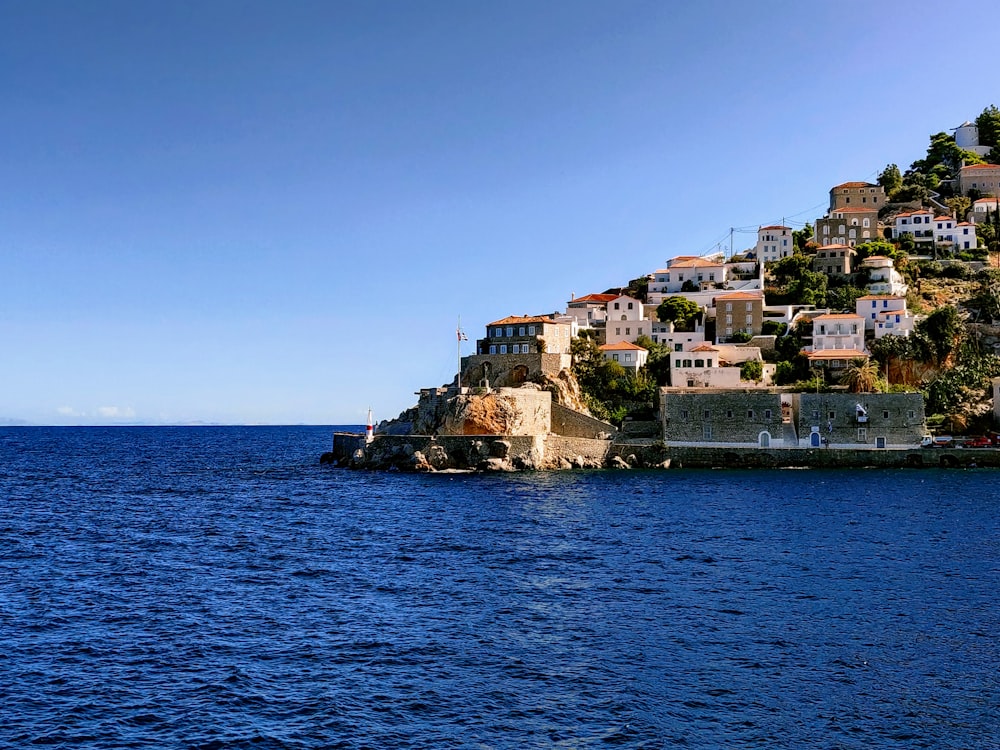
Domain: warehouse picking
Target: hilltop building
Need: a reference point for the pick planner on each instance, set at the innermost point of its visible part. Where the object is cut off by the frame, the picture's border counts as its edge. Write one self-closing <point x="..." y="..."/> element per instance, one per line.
<point x="773" y="243"/>
<point x="967" y="137"/>
<point x="982" y="177"/>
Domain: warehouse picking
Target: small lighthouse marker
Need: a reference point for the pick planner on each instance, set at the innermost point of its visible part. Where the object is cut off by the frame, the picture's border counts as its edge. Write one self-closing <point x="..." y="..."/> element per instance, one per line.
<point x="369" y="428"/>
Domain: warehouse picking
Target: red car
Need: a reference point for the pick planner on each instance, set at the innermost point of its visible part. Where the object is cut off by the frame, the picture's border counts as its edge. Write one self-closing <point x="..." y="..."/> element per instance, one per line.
<point x="978" y="442"/>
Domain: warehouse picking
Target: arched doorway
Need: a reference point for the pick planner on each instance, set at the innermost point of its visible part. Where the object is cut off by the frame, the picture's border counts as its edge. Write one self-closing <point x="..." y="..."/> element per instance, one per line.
<point x="765" y="439"/>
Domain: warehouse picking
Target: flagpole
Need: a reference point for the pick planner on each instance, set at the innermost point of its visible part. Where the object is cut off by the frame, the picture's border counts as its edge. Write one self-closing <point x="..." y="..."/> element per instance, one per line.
<point x="458" y="335"/>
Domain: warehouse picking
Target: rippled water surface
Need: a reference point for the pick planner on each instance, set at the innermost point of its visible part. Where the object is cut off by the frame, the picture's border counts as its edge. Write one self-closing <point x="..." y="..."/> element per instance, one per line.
<point x="218" y="588"/>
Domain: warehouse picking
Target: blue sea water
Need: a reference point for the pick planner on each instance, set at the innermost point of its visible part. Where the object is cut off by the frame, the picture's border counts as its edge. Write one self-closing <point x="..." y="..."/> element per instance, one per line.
<point x="217" y="587"/>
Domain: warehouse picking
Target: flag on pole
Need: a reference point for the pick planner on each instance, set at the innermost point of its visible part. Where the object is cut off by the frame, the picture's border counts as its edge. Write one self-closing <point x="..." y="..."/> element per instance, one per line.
<point x="461" y="335"/>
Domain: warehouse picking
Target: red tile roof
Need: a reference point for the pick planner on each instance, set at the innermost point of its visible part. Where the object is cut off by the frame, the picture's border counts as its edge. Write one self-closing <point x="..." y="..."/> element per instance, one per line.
<point x="986" y="167"/>
<point x="853" y="185"/>
<point x="774" y="226"/>
<point x="854" y="210"/>
<point x="694" y="262"/>
<point x="706" y="347"/>
<point x="741" y="296"/>
<point x="519" y="319"/>
<point x="835" y="316"/>
<point x="622" y="346"/>
<point x="601" y="298"/>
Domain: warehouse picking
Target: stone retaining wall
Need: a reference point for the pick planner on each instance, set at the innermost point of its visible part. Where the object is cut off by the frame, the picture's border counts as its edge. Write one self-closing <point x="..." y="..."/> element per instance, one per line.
<point x="571" y="423"/>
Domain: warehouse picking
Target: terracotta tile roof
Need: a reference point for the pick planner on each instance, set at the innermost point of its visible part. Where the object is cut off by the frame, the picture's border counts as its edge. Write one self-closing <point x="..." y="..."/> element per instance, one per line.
<point x="706" y="347"/>
<point x="987" y="200"/>
<point x="854" y="210"/>
<point x="978" y="167"/>
<point x="943" y="218"/>
<point x="853" y="185"/>
<point x="836" y="316"/>
<point x="773" y="226"/>
<point x="601" y="298"/>
<point x="521" y="319"/>
<point x="887" y="313"/>
<point x="741" y="296"/>
<point x="622" y="346"/>
<point x="921" y="212"/>
<point x="882" y="296"/>
<point x="837" y="354"/>
<point x="691" y="262"/>
<point x="837" y="246"/>
<point x="965" y="224"/>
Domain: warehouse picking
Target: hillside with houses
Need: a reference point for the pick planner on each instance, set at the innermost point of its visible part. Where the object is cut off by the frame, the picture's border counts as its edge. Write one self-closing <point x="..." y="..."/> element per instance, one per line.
<point x="886" y="305"/>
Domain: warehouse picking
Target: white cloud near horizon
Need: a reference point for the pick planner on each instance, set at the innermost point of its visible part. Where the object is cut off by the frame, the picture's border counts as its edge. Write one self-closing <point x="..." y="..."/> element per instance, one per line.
<point x="116" y="412"/>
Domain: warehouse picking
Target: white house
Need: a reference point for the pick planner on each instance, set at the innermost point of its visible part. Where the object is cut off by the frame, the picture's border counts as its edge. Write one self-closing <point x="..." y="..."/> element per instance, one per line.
<point x="837" y="339"/>
<point x="773" y="243"/>
<point x="628" y="355"/>
<point x="708" y="366"/>
<point x="699" y="272"/>
<point x="883" y="276"/>
<point x="894" y="323"/>
<point x="949" y="231"/>
<point x="981" y="209"/>
<point x="625" y="308"/>
<point x="918" y="224"/>
<point x="678" y="341"/>
<point x="871" y="306"/>
<point x="589" y="310"/>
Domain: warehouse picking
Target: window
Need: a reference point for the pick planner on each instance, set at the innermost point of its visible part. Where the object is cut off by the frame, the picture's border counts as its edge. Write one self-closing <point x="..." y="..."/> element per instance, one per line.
<point x="503" y="348"/>
<point x="866" y="223"/>
<point x="687" y="362"/>
<point x="531" y="330"/>
<point x="729" y="306"/>
<point x="707" y="431"/>
<point x="729" y="413"/>
<point x="617" y="306"/>
<point x="628" y="331"/>
<point x="862" y="434"/>
<point x="677" y="363"/>
<point x="684" y="413"/>
<point x="708" y="414"/>
<point x="520" y="331"/>
<point x="498" y="332"/>
<point x="629" y="305"/>
<point x="615" y="356"/>
<point x="708" y="362"/>
<point x="699" y="363"/>
<point x="729" y="331"/>
<point x="628" y="357"/>
<point x="515" y="349"/>
<point x="749" y="413"/>
<point x="832" y="415"/>
<point x="749" y="306"/>
<point x="729" y="319"/>
<point x="678" y="347"/>
<point x="618" y="331"/>
<point x="815" y="414"/>
<point x="885" y="414"/>
<point x="749" y="320"/>
<point x="493" y="348"/>
<point x="767" y="413"/>
<point x="510" y="332"/>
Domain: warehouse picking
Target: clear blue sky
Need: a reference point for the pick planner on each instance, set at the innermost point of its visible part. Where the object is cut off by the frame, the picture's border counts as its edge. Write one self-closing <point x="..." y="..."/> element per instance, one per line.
<point x="270" y="212"/>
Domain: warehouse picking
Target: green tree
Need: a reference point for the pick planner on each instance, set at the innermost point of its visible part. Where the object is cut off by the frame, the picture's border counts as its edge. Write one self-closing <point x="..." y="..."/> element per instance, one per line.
<point x="943" y="159"/>
<point x="680" y="310"/>
<point x="785" y="270"/>
<point x="844" y="297"/>
<point x="809" y="288"/>
<point x="890" y="179"/>
<point x="960" y="205"/>
<point x="638" y="288"/>
<point x="988" y="124"/>
<point x="800" y="237"/>
<point x="862" y="376"/>
<point x="752" y="369"/>
<point x="942" y="330"/>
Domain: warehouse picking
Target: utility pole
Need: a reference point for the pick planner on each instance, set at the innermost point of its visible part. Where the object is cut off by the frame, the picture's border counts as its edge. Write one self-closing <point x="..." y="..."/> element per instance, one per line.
<point x="730" y="242"/>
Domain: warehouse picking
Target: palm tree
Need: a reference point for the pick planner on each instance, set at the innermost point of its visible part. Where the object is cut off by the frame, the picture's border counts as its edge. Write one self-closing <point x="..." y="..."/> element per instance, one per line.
<point x="861" y="376"/>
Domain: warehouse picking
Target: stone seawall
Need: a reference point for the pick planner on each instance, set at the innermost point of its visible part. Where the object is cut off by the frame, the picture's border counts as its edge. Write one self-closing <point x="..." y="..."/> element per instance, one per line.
<point x="528" y="453"/>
